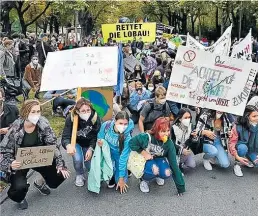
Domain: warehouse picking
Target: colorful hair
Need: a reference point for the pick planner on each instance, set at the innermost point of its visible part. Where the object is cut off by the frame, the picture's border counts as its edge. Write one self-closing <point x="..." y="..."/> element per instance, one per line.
<point x="161" y="124"/>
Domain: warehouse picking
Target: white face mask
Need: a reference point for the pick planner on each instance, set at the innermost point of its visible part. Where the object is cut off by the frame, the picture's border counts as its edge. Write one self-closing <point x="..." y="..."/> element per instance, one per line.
<point x="121" y="128"/>
<point x="124" y="85"/>
<point x="84" y="116"/>
<point x="218" y="115"/>
<point x="162" y="101"/>
<point x="35" y="62"/>
<point x="150" y="88"/>
<point x="33" y="118"/>
<point x="254" y="124"/>
<point x="253" y="88"/>
<point x="186" y="122"/>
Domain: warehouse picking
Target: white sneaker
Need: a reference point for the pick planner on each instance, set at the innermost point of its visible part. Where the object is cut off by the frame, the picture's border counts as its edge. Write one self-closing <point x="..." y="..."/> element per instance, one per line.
<point x="144" y="186"/>
<point x="80" y="181"/>
<point x="207" y="165"/>
<point x="237" y="170"/>
<point x="160" y="181"/>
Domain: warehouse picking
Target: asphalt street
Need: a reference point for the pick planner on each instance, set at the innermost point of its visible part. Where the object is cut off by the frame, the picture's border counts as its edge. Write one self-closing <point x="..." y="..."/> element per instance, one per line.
<point x="218" y="192"/>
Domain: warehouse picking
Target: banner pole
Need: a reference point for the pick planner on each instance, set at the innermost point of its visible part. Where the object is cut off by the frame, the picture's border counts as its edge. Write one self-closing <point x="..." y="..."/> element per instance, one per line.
<point x="75" y="122"/>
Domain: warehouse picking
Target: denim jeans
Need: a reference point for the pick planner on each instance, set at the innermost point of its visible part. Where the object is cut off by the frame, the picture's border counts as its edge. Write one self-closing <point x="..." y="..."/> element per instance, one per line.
<point x="188" y="161"/>
<point x="216" y="150"/>
<point x="157" y="167"/>
<point x="63" y="102"/>
<point x="79" y="160"/>
<point x="242" y="151"/>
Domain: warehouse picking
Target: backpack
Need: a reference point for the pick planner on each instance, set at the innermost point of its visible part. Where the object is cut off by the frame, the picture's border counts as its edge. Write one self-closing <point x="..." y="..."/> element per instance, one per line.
<point x="152" y="107"/>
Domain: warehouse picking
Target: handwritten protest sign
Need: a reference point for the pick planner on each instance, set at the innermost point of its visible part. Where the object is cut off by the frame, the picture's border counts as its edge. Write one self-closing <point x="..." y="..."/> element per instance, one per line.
<point x="101" y="99"/>
<point x="243" y="50"/>
<point x="81" y="67"/>
<point x="123" y="32"/>
<point x="35" y="156"/>
<point x="211" y="81"/>
<point x="221" y="46"/>
<point x="130" y="62"/>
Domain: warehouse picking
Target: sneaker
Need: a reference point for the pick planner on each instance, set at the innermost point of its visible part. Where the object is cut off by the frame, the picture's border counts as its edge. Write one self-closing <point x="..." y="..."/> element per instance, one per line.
<point x="43" y="189"/>
<point x="112" y="183"/>
<point x="23" y="204"/>
<point x="144" y="186"/>
<point x="250" y="164"/>
<point x="160" y="181"/>
<point x="129" y="174"/>
<point x="80" y="181"/>
<point x="237" y="170"/>
<point x="207" y="165"/>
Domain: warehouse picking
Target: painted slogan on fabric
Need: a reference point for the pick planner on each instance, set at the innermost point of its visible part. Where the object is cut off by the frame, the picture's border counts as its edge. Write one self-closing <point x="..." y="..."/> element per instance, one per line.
<point x="211" y="81"/>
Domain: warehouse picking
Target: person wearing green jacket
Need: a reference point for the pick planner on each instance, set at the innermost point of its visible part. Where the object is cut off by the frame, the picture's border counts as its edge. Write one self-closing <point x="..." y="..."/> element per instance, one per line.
<point x="159" y="152"/>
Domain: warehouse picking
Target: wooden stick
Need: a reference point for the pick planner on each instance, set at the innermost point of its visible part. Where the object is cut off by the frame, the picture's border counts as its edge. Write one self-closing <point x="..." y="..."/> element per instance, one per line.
<point x="75" y="122"/>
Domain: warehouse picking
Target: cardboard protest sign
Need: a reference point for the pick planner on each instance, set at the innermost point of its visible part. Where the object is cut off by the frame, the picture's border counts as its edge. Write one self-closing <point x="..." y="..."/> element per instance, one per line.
<point x="130" y="62"/>
<point x="81" y="67"/>
<point x="243" y="50"/>
<point x="31" y="157"/>
<point x="221" y="46"/>
<point x="123" y="32"/>
<point x="211" y="81"/>
<point x="101" y="99"/>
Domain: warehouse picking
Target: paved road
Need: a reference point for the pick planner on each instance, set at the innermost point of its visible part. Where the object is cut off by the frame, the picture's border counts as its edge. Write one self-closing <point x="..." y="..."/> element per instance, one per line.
<point x="218" y="192"/>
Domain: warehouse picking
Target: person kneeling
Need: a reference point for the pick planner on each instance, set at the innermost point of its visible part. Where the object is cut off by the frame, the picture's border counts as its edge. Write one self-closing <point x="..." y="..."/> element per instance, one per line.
<point x="30" y="130"/>
<point x="159" y="152"/>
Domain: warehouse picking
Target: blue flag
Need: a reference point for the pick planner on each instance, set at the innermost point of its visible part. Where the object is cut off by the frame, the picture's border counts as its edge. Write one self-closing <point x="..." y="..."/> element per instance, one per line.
<point x="120" y="79"/>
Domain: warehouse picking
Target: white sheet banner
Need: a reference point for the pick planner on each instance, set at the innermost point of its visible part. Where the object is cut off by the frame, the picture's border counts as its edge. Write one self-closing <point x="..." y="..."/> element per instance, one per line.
<point x="81" y="67"/>
<point x="221" y="46"/>
<point x="211" y="81"/>
<point x="243" y="50"/>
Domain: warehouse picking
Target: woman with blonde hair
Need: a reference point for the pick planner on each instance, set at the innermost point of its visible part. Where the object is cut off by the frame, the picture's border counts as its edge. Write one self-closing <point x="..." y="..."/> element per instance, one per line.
<point x="89" y="125"/>
<point x="30" y="130"/>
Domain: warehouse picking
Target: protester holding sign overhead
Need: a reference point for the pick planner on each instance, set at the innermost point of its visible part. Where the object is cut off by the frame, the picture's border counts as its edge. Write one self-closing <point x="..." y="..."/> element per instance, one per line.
<point x="88" y="127"/>
<point x="30" y="130"/>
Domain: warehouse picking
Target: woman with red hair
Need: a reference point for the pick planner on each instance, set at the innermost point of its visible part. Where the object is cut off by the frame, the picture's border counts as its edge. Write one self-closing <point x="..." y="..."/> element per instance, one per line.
<point x="159" y="152"/>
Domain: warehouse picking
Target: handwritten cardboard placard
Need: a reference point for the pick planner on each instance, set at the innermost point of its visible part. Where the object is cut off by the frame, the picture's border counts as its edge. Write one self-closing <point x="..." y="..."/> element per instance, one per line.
<point x="35" y="156"/>
<point x="81" y="67"/>
<point x="211" y="81"/>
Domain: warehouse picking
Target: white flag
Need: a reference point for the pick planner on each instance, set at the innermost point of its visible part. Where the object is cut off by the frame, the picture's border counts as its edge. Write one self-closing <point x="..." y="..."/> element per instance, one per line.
<point x="221" y="46"/>
<point x="243" y="50"/>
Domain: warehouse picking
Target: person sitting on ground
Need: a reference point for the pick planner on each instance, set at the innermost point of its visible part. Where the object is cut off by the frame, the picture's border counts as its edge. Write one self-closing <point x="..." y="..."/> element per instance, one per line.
<point x="117" y="133"/>
<point x="60" y="103"/>
<point x="89" y="124"/>
<point x="243" y="144"/>
<point x="138" y="75"/>
<point x="30" y="130"/>
<point x="159" y="152"/>
<point x="157" y="79"/>
<point x="137" y="98"/>
<point x="149" y="63"/>
<point x="170" y="65"/>
<point x="162" y="68"/>
<point x="8" y="114"/>
<point x="181" y="134"/>
<point x="167" y="78"/>
<point x="214" y="128"/>
<point x="151" y="88"/>
<point x="153" y="109"/>
<point x="32" y="77"/>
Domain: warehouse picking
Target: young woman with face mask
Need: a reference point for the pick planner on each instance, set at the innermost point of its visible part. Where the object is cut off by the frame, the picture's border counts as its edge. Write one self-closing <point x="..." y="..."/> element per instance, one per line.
<point x="89" y="125"/>
<point x="159" y="152"/>
<point x="181" y="135"/>
<point x="214" y="128"/>
<point x="117" y="134"/>
<point x="138" y="75"/>
<point x="30" y="130"/>
<point x="243" y="143"/>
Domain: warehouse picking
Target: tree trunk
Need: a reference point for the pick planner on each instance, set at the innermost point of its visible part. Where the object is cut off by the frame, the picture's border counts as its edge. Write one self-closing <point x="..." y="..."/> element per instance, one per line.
<point x="161" y="18"/>
<point x="22" y="22"/>
<point x="217" y="22"/>
<point x="199" y="27"/>
<point x="184" y="23"/>
<point x="51" y="24"/>
<point x="193" y="25"/>
<point x="56" y="25"/>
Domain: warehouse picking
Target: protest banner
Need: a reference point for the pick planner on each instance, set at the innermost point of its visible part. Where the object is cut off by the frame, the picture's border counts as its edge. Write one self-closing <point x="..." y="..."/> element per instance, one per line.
<point x="221" y="46"/>
<point x="102" y="100"/>
<point x="211" y="81"/>
<point x="31" y="157"/>
<point x="130" y="62"/>
<point x="81" y="67"/>
<point x="123" y="32"/>
<point x="243" y="50"/>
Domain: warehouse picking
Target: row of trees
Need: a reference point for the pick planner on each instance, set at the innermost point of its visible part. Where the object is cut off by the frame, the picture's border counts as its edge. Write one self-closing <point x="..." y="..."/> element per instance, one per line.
<point x="208" y="18"/>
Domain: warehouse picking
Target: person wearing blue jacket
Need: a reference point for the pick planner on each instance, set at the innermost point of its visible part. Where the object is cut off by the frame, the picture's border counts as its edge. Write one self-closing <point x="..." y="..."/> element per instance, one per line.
<point x="117" y="133"/>
<point x="139" y="95"/>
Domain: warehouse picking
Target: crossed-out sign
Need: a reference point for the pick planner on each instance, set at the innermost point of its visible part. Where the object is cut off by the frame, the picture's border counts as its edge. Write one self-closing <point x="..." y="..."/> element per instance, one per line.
<point x="189" y="56"/>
